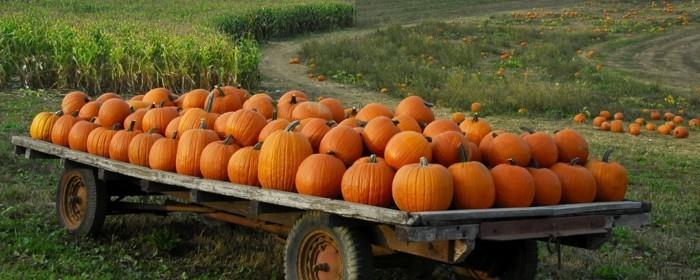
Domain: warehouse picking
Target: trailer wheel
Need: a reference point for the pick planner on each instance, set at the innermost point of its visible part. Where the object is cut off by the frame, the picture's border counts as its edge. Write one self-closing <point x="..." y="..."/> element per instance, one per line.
<point x="317" y="251"/>
<point x="81" y="204"/>
<point x="501" y="260"/>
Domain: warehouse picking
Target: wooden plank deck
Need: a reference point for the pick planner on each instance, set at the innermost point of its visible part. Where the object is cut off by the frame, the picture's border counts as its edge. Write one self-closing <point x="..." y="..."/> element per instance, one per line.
<point x="332" y="206"/>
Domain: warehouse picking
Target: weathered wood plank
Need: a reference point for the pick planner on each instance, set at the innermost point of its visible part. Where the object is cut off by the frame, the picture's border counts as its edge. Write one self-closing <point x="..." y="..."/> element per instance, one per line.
<point x="417" y="234"/>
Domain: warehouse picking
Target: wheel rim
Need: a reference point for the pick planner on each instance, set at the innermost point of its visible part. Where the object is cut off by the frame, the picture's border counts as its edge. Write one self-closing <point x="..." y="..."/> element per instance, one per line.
<point x="73" y="201"/>
<point x="319" y="257"/>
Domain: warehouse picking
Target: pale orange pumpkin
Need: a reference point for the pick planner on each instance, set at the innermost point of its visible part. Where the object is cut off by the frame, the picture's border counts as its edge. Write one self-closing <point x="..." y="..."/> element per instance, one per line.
<point x="163" y="153"/>
<point x="473" y="184"/>
<point x="189" y="149"/>
<point x="373" y="110"/>
<point x="320" y="175"/>
<point x="515" y="187"/>
<point x="407" y="147"/>
<point x="422" y="187"/>
<point x="577" y="183"/>
<point x="376" y="134"/>
<point x="280" y="157"/>
<point x="368" y="181"/>
<point x="213" y="162"/>
<point x="610" y="177"/>
<point x="437" y="127"/>
<point x="140" y="147"/>
<point x="242" y="167"/>
<point x="345" y="143"/>
<point x="475" y="129"/>
<point x="417" y="108"/>
<point x="245" y="126"/>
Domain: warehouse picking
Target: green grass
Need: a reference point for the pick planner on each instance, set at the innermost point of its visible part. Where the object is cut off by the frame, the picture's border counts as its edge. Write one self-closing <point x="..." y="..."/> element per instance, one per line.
<point x="546" y="69"/>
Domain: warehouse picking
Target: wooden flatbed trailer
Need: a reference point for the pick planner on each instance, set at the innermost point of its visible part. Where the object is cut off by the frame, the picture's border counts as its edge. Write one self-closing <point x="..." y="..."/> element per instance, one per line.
<point x="335" y="239"/>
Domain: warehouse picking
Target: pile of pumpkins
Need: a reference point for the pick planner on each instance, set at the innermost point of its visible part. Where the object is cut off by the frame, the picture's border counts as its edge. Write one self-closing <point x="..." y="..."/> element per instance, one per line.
<point x="671" y="125"/>
<point x="375" y="155"/>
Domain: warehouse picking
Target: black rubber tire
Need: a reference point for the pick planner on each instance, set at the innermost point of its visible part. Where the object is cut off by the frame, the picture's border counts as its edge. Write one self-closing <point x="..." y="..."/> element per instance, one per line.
<point x="96" y="208"/>
<point x="351" y="243"/>
<point x="502" y="260"/>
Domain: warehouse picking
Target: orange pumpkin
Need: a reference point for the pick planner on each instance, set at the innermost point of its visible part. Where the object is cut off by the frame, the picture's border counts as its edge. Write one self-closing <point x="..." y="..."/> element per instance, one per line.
<point x="617" y="126"/>
<point x="119" y="145"/>
<point x="195" y="98"/>
<point x="222" y="103"/>
<point x="678" y="119"/>
<point x="571" y="145"/>
<point x="311" y="110"/>
<point x="664" y="129"/>
<point x="544" y="149"/>
<point x="407" y="147"/>
<point x="417" y="108"/>
<point x="336" y="108"/>
<point x="158" y="96"/>
<point x="377" y="132"/>
<point x="668" y="116"/>
<point x="73" y="102"/>
<point x="237" y="91"/>
<point x="694" y="123"/>
<point x="113" y="111"/>
<point x="619" y="116"/>
<point x="159" y="118"/>
<point x="475" y="129"/>
<point x="280" y="157"/>
<point x="269" y="128"/>
<point x="242" y="167"/>
<point x="89" y="110"/>
<point x="190" y="147"/>
<point x="213" y="163"/>
<point x="163" y="153"/>
<point x="580" y="118"/>
<point x="605" y="126"/>
<point x="98" y="140"/>
<point x="678" y="132"/>
<point x="138" y="97"/>
<point x="220" y="124"/>
<point x="107" y="96"/>
<point x="605" y="114"/>
<point x="77" y="137"/>
<point x="634" y="129"/>
<point x="61" y="128"/>
<point x="457" y="117"/>
<point x="137" y="117"/>
<point x="352" y="122"/>
<point x="407" y="123"/>
<point x="485" y="145"/>
<point x="577" y="183"/>
<point x="171" y="129"/>
<point x="191" y="118"/>
<point x="262" y="103"/>
<point x="368" y="181"/>
<point x="422" y="187"/>
<point x="474" y="153"/>
<point x="655" y="115"/>
<point x="650" y="127"/>
<point x="439" y="126"/>
<point x="515" y="187"/>
<point x="598" y="121"/>
<point x="140" y="147"/>
<point x="245" y="126"/>
<point x="473" y="184"/>
<point x="507" y="147"/>
<point x="288" y="102"/>
<point x="640" y="121"/>
<point x="374" y="110"/>
<point x="314" y="129"/>
<point x="320" y="175"/>
<point x="475" y="107"/>
<point x="547" y="186"/>
<point x="344" y="142"/>
<point x="446" y="145"/>
<point x="610" y="177"/>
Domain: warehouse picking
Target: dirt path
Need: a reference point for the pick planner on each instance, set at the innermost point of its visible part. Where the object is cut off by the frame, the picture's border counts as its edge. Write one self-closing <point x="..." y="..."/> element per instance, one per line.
<point x="278" y="75"/>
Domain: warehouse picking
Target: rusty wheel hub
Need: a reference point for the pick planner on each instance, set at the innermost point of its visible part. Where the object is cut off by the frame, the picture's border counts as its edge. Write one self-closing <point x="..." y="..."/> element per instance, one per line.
<point x="73" y="201"/>
<point x="319" y="257"/>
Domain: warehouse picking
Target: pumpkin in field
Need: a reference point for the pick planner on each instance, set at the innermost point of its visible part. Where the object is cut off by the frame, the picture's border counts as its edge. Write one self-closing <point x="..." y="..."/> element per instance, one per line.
<point x="374" y="110"/>
<point x="680" y="132"/>
<point x="320" y="175"/>
<point x="159" y="118"/>
<point x="485" y="144"/>
<point x="158" y="96"/>
<point x="311" y="110"/>
<point x="368" y="181"/>
<point x="135" y="105"/>
<point x="221" y="102"/>
<point x="634" y="129"/>
<point x="640" y="121"/>
<point x="107" y="96"/>
<point x="280" y="157"/>
<point x="475" y="129"/>
<point x="344" y="142"/>
<point x="41" y="126"/>
<point x="439" y="126"/>
<point x="571" y="145"/>
<point x="242" y="167"/>
<point x="542" y="146"/>
<point x="314" y="129"/>
<point x="137" y="117"/>
<point x="262" y="103"/>
<point x="336" y="108"/>
<point x="446" y="145"/>
<point x="473" y="185"/>
<point x="508" y="147"/>
<point x="140" y="147"/>
<point x="138" y="97"/>
<point x="163" y="153"/>
<point x="605" y="126"/>
<point x="220" y="124"/>
<point x="171" y="129"/>
<point x="514" y="185"/>
<point x="664" y="129"/>
<point x="694" y="123"/>
<point x="678" y="120"/>
<point x="671" y="124"/>
<point x="195" y="98"/>
<point x="417" y="108"/>
<point x="192" y="117"/>
<point x="457" y="117"/>
<point x="213" y="163"/>
<point x="407" y="123"/>
<point x="422" y="187"/>
<point x="598" y="121"/>
<point x="272" y="126"/>
<point x="288" y="102"/>
<point x="580" y="118"/>
<point x="619" y="116"/>
<point x="475" y="107"/>
<point x="245" y="126"/>
<point x="237" y="91"/>
<point x="577" y="183"/>
<point x="113" y="111"/>
<point x="98" y="140"/>
<point x="655" y="115"/>
<point x="119" y="145"/>
<point x="61" y="128"/>
<point x="547" y="185"/>
<point x="407" y="147"/>
<point x="610" y="177"/>
<point x="78" y="134"/>
<point x="189" y="149"/>
<point x="650" y="127"/>
<point x="668" y="116"/>
<point x="377" y="132"/>
<point x="89" y="110"/>
<point x="605" y="114"/>
<point x="617" y="126"/>
<point x="73" y="102"/>
<point x="352" y="122"/>
<point x="474" y="153"/>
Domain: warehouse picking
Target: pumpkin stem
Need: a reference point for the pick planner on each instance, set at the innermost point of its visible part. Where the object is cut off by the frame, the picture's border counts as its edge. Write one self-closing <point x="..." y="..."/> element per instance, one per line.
<point x="152" y="130"/>
<point x="428" y="104"/>
<point x="463" y="153"/>
<point x="162" y="104"/>
<point x="228" y="140"/>
<point x="75" y="113"/>
<point x="258" y="146"/>
<point x="494" y="134"/>
<point x="396" y="122"/>
<point x="430" y="139"/>
<point x="527" y="129"/>
<point x="372" y="158"/>
<point x="294" y="99"/>
<point x="209" y="103"/>
<point x="274" y="114"/>
<point x="219" y="90"/>
<point x="607" y="153"/>
<point x="535" y="163"/>
<point x="423" y="162"/>
<point x="331" y="123"/>
<point x="203" y="123"/>
<point x="293" y="125"/>
<point x="575" y="161"/>
<point x="361" y="123"/>
<point x="58" y="113"/>
<point x="422" y="124"/>
<point x="476" y="117"/>
<point x="116" y="126"/>
<point x="93" y="119"/>
<point x="512" y="161"/>
<point x="132" y="109"/>
<point x="131" y="125"/>
<point x="331" y="152"/>
<point x="175" y="134"/>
